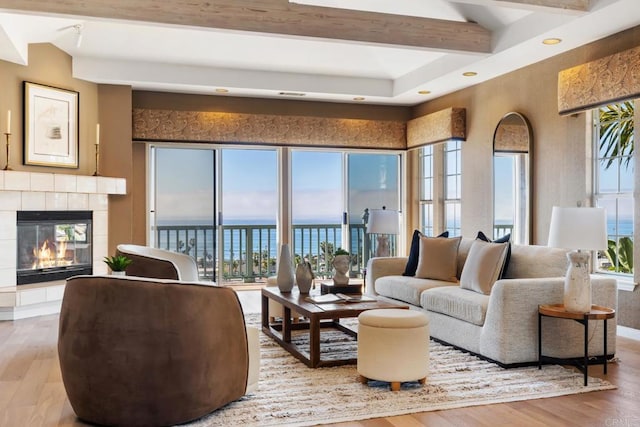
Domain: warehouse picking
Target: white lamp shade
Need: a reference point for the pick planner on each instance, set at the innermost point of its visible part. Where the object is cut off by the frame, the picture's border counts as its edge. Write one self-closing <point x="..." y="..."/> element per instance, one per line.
<point x="578" y="228"/>
<point x="383" y="221"/>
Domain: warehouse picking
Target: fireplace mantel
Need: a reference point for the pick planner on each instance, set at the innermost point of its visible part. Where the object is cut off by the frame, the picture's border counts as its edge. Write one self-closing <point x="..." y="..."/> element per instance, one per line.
<point x="26" y="191"/>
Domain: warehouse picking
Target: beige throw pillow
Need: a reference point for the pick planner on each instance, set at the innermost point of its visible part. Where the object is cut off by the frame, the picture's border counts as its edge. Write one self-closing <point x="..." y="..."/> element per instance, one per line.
<point x="438" y="258"/>
<point x="483" y="265"/>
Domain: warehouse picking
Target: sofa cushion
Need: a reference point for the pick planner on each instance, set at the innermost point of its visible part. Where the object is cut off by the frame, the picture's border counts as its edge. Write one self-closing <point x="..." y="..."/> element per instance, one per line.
<point x="504" y="239"/>
<point x="414" y="253"/>
<point x="483" y="266"/>
<point x="532" y="261"/>
<point x="405" y="288"/>
<point x="456" y="302"/>
<point x="438" y="258"/>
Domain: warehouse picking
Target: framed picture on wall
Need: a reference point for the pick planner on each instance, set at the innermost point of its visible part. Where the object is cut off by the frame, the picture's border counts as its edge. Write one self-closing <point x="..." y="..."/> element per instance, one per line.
<point x="50" y="126"/>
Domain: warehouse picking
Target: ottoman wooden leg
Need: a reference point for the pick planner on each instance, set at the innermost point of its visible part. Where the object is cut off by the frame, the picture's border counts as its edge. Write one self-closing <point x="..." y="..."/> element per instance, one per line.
<point x="363" y="380"/>
<point x="423" y="381"/>
<point x="395" y="386"/>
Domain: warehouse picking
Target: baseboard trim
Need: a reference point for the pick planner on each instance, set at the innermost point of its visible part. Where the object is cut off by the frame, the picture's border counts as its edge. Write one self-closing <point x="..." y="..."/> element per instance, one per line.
<point x="34" y="310"/>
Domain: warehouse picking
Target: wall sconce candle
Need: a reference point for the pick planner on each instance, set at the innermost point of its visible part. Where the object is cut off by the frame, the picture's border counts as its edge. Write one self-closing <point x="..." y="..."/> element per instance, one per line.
<point x="9" y="121"/>
<point x="97" y="149"/>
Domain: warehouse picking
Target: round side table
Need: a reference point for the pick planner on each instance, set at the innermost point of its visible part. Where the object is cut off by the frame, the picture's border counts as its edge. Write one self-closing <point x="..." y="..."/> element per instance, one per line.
<point x="559" y="312"/>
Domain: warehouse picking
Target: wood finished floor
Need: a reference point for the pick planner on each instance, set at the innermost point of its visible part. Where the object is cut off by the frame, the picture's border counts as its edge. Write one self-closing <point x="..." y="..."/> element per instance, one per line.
<point x="32" y="394"/>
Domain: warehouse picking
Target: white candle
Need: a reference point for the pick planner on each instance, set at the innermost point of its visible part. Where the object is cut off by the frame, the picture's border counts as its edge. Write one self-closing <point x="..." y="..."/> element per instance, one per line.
<point x="98" y="134"/>
<point x="9" y="121"/>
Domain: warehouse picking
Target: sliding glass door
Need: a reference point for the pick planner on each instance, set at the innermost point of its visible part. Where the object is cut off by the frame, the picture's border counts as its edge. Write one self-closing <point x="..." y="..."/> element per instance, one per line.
<point x="249" y="210"/>
<point x="182" y="215"/>
<point x="329" y="194"/>
<point x="373" y="183"/>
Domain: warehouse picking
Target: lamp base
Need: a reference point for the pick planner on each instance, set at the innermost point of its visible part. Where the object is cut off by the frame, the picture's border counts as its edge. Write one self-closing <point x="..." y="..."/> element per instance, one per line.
<point x="382" y="247"/>
<point x="577" y="283"/>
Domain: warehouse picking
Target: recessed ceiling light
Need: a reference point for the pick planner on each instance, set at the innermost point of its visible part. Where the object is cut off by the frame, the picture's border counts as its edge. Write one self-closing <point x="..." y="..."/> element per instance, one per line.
<point x="551" y="41"/>
<point x="424" y="92"/>
<point x="358" y="98"/>
<point x="221" y="90"/>
<point x="291" y="93"/>
<point x="469" y="73"/>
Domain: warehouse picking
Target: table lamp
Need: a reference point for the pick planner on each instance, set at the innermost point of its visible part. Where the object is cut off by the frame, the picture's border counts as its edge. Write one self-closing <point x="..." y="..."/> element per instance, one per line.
<point x="579" y="229"/>
<point x="383" y="222"/>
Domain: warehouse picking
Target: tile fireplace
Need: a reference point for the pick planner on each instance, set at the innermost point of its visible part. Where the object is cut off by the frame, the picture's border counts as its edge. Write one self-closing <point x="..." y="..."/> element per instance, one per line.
<point x="53" y="245"/>
<point x="68" y="198"/>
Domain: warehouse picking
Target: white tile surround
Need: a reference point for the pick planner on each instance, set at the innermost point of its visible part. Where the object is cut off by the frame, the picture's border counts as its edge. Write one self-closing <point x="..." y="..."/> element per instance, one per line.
<point x="29" y="191"/>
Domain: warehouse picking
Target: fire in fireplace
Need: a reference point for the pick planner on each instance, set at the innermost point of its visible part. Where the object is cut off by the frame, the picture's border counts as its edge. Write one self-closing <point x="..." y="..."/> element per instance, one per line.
<point x="53" y="245"/>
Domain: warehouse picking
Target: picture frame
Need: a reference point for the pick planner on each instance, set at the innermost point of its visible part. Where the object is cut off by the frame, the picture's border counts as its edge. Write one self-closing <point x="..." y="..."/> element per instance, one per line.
<point x="50" y="126"/>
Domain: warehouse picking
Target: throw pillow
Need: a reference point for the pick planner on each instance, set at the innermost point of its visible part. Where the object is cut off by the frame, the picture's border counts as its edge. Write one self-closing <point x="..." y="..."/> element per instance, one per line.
<point x="414" y="252"/>
<point x="483" y="265"/>
<point x="438" y="258"/>
<point x="504" y="239"/>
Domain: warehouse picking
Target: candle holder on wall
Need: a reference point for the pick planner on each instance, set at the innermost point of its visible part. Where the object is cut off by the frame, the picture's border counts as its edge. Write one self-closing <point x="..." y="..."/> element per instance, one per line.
<point x="8" y="136"/>
<point x="97" y="159"/>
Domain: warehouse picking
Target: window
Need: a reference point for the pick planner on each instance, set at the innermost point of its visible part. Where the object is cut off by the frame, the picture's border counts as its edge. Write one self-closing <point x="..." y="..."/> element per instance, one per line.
<point x="440" y="188"/>
<point x="426" y="190"/>
<point x="614" y="182"/>
<point x="453" y="187"/>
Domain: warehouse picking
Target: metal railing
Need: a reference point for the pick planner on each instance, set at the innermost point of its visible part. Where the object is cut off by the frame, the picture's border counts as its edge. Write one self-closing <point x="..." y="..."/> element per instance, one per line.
<point x="500" y="230"/>
<point x="249" y="252"/>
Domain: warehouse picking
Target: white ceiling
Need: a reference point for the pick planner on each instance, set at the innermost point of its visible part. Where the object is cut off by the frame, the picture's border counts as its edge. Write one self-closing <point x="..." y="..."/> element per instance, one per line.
<point x="162" y="57"/>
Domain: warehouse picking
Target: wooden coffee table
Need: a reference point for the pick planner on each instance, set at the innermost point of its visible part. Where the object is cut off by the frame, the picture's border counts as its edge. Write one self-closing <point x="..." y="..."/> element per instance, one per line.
<point x="319" y="316"/>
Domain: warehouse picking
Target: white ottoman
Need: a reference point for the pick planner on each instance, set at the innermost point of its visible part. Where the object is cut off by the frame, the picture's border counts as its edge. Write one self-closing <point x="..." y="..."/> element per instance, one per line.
<point x="393" y="346"/>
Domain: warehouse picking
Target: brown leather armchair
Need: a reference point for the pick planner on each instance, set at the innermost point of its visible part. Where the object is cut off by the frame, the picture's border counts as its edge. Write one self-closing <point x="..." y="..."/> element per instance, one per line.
<point x="150" y="352"/>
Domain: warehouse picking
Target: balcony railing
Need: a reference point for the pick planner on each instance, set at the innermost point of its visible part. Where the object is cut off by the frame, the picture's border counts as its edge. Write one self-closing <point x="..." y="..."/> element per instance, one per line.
<point x="249" y="251"/>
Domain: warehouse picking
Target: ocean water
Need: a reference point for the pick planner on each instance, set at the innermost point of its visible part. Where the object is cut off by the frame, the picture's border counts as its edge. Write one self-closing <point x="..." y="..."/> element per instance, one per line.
<point x="199" y="240"/>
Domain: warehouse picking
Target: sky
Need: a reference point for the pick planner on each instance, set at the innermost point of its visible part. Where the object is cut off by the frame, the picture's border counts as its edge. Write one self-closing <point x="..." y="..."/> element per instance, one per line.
<point x="249" y="185"/>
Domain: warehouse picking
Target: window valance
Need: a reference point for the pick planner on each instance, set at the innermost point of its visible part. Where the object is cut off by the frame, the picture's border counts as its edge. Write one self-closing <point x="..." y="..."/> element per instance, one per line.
<point x="436" y="127"/>
<point x="603" y="81"/>
<point x="281" y="130"/>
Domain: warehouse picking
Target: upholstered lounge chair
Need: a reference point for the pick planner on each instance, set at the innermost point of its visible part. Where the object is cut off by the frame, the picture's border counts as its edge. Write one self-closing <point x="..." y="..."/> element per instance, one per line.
<point x="159" y="263"/>
<point x="147" y="352"/>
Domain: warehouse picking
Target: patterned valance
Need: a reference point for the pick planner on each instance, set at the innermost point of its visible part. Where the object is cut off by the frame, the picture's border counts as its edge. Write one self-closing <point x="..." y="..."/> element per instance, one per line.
<point x="440" y="126"/>
<point x="600" y="82"/>
<point x="197" y="126"/>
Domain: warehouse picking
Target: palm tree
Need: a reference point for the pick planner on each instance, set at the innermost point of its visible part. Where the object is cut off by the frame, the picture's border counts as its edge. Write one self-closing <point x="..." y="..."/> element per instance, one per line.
<point x="617" y="141"/>
<point x="616" y="132"/>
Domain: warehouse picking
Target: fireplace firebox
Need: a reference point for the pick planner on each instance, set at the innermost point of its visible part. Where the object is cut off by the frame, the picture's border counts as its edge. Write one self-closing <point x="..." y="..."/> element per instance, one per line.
<point x="53" y="245"/>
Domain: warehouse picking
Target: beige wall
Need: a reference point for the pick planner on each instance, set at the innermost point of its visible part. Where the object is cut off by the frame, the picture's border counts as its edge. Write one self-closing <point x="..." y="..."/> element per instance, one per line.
<point x="561" y="153"/>
<point x="49" y="66"/>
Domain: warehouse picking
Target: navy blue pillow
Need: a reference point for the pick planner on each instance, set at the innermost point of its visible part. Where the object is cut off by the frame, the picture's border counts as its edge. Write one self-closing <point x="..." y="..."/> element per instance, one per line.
<point x="414" y="253"/>
<point x="504" y="239"/>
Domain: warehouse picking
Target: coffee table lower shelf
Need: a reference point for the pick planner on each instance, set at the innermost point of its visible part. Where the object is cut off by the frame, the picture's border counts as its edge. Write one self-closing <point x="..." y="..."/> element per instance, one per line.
<point x="318" y="317"/>
<point x="312" y="359"/>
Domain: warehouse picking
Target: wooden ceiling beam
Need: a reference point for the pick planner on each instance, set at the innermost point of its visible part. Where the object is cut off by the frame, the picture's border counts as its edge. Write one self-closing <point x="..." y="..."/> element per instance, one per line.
<point x="577" y="5"/>
<point x="280" y="17"/>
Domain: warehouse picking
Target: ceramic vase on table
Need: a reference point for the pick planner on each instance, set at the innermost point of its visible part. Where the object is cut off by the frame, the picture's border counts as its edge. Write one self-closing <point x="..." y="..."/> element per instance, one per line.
<point x="341" y="264"/>
<point x="304" y="277"/>
<point x="118" y="273"/>
<point x="285" y="275"/>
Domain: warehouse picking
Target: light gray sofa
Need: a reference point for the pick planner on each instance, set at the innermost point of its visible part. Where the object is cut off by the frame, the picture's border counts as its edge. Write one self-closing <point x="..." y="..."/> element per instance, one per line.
<point x="501" y="326"/>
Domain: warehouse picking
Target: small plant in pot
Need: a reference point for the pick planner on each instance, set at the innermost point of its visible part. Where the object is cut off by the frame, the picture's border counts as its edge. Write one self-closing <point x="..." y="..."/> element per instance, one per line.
<point x="118" y="264"/>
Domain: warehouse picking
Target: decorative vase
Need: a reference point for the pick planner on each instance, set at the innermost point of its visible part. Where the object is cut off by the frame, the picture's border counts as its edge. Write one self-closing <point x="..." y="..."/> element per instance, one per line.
<point x="118" y="273"/>
<point x="577" y="283"/>
<point x="304" y="277"/>
<point x="285" y="275"/>
<point x="341" y="264"/>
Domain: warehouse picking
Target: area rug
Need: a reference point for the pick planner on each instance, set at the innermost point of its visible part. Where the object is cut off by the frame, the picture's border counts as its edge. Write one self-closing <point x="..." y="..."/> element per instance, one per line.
<point x="290" y="394"/>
